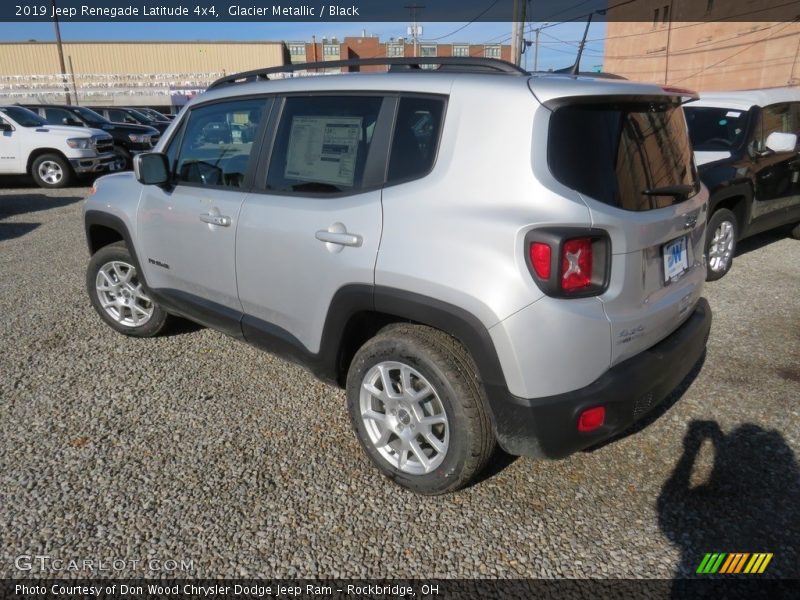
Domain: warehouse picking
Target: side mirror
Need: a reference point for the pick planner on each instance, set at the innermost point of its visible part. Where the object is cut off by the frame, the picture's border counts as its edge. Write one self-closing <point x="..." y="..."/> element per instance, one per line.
<point x="781" y="142"/>
<point x="71" y="122"/>
<point x="151" y="168"/>
<point x="5" y="126"/>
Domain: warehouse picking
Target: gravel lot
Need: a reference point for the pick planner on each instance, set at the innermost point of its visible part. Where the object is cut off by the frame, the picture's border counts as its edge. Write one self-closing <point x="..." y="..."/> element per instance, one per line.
<point x="195" y="447"/>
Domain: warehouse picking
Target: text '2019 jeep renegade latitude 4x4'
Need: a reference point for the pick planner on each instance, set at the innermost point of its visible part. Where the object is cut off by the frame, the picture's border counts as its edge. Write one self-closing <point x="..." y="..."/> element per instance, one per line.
<point x="529" y="276"/>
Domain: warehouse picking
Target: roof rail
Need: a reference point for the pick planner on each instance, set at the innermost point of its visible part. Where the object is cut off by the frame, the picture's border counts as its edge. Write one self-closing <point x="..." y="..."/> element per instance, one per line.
<point x="465" y="64"/>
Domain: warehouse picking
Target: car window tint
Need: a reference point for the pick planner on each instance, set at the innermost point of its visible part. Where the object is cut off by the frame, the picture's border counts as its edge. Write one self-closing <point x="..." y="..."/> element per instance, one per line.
<point x="777" y="118"/>
<point x="217" y="143"/>
<point x="416" y="137"/>
<point x="615" y="152"/>
<point x="56" y="116"/>
<point x="117" y="116"/>
<point x="322" y="144"/>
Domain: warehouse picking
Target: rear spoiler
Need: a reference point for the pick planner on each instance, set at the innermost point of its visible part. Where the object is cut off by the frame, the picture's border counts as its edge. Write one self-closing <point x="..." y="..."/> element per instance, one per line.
<point x="553" y="91"/>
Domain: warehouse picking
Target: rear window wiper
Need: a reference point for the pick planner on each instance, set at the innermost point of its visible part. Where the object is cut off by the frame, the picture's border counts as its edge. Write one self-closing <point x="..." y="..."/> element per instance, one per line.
<point x="670" y="190"/>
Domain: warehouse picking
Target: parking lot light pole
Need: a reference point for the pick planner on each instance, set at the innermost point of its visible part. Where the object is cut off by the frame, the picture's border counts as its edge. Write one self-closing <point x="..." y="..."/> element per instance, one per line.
<point x="61" y="54"/>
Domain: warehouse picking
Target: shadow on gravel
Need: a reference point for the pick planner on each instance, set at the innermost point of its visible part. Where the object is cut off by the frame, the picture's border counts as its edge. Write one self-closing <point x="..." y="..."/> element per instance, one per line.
<point x="19" y="204"/>
<point x="749" y="503"/>
<point x="10" y="231"/>
<point x="762" y="239"/>
<point x="180" y="326"/>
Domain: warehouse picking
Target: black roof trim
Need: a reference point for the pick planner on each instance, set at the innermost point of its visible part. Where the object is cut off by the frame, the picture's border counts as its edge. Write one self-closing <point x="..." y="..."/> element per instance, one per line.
<point x="445" y="63"/>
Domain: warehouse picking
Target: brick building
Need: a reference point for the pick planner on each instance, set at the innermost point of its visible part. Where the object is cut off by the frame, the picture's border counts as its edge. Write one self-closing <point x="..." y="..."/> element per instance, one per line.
<point x="373" y="47"/>
<point x="699" y="44"/>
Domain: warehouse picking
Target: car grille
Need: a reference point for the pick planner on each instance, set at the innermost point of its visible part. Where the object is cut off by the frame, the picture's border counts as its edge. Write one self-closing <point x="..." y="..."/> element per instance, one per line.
<point x="103" y="145"/>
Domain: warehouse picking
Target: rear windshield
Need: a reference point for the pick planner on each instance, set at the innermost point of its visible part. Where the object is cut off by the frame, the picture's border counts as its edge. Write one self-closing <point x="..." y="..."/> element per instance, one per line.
<point x="716" y="128"/>
<point x="634" y="156"/>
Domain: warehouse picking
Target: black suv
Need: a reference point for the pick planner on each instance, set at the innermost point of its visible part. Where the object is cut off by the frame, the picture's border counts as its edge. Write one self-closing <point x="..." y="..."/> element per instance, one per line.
<point x="132" y="116"/>
<point x="128" y="139"/>
<point x="745" y="146"/>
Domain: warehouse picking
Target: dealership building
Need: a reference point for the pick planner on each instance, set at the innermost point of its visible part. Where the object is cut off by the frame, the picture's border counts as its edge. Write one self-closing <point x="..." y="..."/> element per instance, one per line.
<point x="166" y="75"/>
<point x="156" y="74"/>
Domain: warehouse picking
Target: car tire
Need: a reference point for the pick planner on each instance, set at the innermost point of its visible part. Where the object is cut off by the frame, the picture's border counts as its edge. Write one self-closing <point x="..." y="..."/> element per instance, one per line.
<point x="118" y="295"/>
<point x="51" y="171"/>
<point x="722" y="234"/>
<point x="125" y="159"/>
<point x="430" y="442"/>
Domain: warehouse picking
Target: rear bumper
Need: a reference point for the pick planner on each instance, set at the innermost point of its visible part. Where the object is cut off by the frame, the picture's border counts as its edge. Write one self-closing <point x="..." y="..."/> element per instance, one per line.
<point x="547" y="427"/>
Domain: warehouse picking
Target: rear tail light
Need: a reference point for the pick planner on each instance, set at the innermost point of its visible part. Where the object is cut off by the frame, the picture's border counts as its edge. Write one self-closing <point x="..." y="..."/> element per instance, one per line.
<point x="569" y="262"/>
<point x="592" y="418"/>
<point x="576" y="264"/>
<point x="540" y="259"/>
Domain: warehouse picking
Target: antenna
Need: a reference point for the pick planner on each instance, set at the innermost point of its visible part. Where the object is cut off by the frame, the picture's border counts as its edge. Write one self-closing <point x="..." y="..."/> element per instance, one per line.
<point x="577" y="66"/>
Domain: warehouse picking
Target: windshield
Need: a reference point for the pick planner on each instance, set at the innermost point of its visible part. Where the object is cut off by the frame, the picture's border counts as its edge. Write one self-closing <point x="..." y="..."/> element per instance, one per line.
<point x="23" y="117"/>
<point x="635" y="156"/>
<point x="156" y="116"/>
<point x="712" y="128"/>
<point x="140" y="116"/>
<point x="91" y="117"/>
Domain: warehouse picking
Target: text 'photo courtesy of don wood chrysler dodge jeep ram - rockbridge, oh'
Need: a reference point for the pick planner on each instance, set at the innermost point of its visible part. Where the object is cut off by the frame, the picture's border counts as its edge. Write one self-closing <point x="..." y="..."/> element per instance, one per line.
<point x="529" y="278"/>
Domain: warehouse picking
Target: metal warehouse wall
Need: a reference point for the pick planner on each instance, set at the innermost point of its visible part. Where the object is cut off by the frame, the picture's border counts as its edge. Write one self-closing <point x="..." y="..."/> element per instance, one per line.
<point x="41" y="58"/>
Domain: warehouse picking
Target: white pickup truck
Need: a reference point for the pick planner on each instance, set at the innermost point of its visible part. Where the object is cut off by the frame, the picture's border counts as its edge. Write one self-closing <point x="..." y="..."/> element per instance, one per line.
<point x="52" y="154"/>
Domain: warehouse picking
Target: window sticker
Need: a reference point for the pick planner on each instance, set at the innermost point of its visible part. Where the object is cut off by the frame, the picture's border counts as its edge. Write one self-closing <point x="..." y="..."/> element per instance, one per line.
<point x="735" y="114"/>
<point x="323" y="149"/>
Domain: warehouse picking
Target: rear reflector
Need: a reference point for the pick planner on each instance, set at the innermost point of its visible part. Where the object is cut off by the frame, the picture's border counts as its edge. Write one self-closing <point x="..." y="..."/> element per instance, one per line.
<point x="576" y="264"/>
<point x="540" y="259"/>
<point x="592" y="418"/>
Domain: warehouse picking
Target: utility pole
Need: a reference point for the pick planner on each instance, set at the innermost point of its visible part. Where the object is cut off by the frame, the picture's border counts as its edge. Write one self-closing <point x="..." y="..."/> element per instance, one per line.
<point x="414" y="28"/>
<point x="517" y="31"/>
<point x="669" y="36"/>
<point x="61" y="55"/>
<point x="536" y="50"/>
<point x="74" y="87"/>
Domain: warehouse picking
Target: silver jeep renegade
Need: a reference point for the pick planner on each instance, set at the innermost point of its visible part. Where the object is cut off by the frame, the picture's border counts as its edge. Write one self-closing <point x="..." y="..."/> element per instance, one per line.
<point x="477" y="254"/>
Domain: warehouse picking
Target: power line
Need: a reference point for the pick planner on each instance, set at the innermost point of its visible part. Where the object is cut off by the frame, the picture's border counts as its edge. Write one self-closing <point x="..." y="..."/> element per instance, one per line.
<point x="487" y="9"/>
<point x="703" y="70"/>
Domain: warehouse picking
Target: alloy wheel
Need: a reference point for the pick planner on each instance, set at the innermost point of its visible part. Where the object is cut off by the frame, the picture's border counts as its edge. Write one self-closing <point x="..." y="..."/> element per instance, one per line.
<point x="121" y="294"/>
<point x="720" y="250"/>
<point x="404" y="417"/>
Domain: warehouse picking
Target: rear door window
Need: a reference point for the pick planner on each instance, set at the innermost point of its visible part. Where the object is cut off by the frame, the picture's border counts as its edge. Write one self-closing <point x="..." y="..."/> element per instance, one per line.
<point x="632" y="155"/>
<point x="322" y="144"/>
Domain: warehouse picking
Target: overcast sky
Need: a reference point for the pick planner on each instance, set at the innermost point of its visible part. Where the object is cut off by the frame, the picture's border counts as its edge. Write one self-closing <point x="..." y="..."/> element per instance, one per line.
<point x="553" y="53"/>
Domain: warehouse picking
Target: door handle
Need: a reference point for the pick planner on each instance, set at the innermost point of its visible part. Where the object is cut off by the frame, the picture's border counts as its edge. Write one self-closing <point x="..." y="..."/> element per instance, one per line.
<point x="341" y="238"/>
<point x="220" y="220"/>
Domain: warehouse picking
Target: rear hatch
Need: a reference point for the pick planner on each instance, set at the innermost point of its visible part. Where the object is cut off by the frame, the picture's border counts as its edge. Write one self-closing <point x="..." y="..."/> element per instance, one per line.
<point x="626" y="152"/>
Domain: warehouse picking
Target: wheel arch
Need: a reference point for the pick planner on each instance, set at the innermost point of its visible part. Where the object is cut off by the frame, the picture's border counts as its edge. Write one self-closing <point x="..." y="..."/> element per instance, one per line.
<point x="103" y="229"/>
<point x="346" y="329"/>
<point x="737" y="200"/>
<point x="41" y="152"/>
